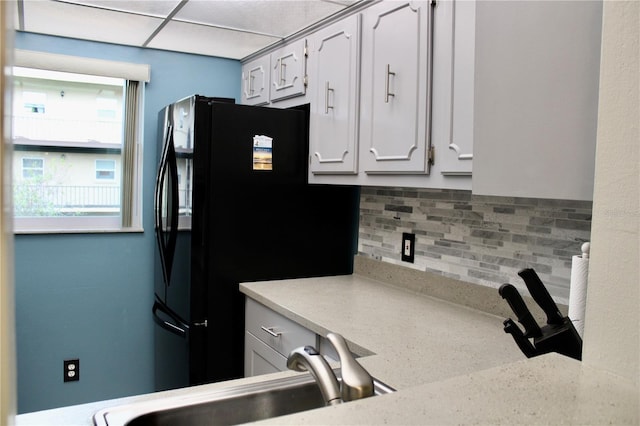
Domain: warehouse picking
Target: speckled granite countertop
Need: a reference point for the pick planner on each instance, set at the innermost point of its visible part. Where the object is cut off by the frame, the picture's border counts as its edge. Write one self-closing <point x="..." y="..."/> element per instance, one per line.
<point x="451" y="364"/>
<point x="414" y="339"/>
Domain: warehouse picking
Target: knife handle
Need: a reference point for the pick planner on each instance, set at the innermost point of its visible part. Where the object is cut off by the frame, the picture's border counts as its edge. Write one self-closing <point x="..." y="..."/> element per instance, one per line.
<point x="523" y="343"/>
<point x="513" y="298"/>
<point x="542" y="297"/>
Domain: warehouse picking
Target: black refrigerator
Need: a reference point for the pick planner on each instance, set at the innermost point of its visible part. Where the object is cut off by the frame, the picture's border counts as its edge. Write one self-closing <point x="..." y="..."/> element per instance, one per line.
<point x="232" y="205"/>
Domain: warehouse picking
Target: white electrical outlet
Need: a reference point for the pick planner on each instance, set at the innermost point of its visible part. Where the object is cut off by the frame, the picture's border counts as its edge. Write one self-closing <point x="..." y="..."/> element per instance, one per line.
<point x="71" y="370"/>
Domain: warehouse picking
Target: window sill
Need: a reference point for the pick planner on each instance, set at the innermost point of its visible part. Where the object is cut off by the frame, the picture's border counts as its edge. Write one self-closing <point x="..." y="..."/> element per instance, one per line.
<point x="79" y="231"/>
<point x="71" y="225"/>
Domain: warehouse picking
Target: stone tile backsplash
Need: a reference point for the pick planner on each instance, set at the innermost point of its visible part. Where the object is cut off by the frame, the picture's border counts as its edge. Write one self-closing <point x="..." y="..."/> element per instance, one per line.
<point x="479" y="239"/>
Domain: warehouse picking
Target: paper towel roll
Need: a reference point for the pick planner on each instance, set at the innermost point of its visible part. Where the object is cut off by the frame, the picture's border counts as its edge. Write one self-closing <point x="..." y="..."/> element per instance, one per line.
<point x="578" y="288"/>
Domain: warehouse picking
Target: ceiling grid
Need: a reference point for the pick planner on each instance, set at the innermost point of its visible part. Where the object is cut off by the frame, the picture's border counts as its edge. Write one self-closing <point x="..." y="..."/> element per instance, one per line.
<point x="225" y="28"/>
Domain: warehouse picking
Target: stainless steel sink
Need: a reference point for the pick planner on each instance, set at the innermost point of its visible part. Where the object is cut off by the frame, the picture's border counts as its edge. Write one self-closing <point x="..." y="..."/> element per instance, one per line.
<point x="227" y="406"/>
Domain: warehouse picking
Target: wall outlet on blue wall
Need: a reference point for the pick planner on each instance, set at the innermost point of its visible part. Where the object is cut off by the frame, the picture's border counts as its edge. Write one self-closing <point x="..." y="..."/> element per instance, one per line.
<point x="71" y="370"/>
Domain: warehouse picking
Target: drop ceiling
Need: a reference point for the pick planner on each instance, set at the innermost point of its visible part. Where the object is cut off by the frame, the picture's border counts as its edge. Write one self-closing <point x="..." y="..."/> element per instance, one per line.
<point x="225" y="28"/>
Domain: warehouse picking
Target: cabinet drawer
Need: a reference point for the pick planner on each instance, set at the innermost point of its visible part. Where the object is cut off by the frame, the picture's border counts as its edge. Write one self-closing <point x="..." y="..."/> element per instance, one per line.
<point x="287" y="335"/>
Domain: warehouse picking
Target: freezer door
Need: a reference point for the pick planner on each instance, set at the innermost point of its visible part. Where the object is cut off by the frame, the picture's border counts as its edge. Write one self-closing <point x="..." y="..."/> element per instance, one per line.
<point x="258" y="145"/>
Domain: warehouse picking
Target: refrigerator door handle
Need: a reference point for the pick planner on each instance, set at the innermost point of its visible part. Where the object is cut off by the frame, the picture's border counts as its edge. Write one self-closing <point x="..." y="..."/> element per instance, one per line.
<point x="167" y="205"/>
<point x="176" y="326"/>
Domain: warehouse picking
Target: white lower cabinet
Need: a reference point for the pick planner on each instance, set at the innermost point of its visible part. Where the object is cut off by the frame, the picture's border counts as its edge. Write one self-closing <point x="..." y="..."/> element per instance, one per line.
<point x="269" y="338"/>
<point x="261" y="358"/>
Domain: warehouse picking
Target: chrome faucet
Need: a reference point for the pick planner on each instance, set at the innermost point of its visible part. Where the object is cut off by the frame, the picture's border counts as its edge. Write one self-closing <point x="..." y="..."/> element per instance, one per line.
<point x="309" y="359"/>
<point x="357" y="383"/>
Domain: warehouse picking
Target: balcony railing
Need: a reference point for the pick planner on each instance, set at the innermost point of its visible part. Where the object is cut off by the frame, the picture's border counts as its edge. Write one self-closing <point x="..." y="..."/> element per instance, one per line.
<point x="72" y="200"/>
<point x="64" y="200"/>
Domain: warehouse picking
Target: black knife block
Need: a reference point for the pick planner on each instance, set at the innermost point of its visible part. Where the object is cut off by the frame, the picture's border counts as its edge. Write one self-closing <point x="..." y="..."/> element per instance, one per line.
<point x="559" y="335"/>
<point x="562" y="338"/>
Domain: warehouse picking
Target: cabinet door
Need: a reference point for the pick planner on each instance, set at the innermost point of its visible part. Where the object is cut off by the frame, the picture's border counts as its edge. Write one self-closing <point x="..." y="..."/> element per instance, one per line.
<point x="453" y="86"/>
<point x="288" y="71"/>
<point x="536" y="99"/>
<point x="255" y="81"/>
<point x="333" y="133"/>
<point x="259" y="358"/>
<point x="395" y="119"/>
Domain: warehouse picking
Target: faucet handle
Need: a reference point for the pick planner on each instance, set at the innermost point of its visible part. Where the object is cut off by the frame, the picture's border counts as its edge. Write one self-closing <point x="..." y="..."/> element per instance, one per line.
<point x="357" y="383"/>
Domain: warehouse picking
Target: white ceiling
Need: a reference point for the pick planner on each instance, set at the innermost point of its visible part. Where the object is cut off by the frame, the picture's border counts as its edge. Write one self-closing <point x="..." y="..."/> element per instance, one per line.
<point x="225" y="28"/>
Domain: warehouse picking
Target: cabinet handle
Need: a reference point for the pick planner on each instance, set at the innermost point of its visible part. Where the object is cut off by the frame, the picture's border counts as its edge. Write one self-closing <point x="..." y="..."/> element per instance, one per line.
<point x="283" y="69"/>
<point x="270" y="331"/>
<point x="251" y="77"/>
<point x="327" y="107"/>
<point x="386" y="87"/>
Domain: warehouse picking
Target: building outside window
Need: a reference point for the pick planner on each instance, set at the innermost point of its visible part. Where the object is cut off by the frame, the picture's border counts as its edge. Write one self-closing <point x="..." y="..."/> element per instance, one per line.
<point x="77" y="138"/>
<point x="75" y="122"/>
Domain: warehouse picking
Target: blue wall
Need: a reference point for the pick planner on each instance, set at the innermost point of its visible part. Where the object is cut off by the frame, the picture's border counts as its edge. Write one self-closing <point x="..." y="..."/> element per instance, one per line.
<point x="90" y="296"/>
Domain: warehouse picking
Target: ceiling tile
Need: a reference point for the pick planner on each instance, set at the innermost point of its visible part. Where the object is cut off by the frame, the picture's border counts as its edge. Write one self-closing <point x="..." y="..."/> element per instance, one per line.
<point x="147" y="7"/>
<point x="68" y="20"/>
<point x="203" y="40"/>
<point x="276" y="17"/>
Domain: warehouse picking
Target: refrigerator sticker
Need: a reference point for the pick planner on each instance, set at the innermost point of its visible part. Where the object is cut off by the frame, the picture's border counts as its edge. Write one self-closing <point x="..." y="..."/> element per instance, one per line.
<point x="262" y="152"/>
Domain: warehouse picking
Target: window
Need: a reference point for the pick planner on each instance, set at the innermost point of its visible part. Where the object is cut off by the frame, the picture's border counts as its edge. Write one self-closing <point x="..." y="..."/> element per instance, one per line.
<point x="105" y="169"/>
<point x="85" y="125"/>
<point x="107" y="108"/>
<point x="34" y="102"/>
<point x="32" y="168"/>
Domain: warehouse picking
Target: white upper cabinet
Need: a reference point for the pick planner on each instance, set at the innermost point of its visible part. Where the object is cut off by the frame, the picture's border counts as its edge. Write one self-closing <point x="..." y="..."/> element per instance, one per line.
<point x="394" y="107"/>
<point x="453" y="88"/>
<point x="255" y="81"/>
<point x="334" y="59"/>
<point x="288" y="71"/>
<point x="496" y="97"/>
<point x="536" y="98"/>
<point x="276" y="76"/>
